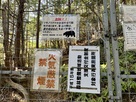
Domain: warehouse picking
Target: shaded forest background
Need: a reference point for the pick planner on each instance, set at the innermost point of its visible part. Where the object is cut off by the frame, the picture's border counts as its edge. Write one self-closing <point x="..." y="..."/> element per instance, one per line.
<point x="20" y="35"/>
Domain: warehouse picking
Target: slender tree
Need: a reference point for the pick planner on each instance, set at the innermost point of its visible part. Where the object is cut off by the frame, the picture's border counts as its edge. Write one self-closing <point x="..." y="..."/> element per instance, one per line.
<point x="5" y="24"/>
<point x="19" y="31"/>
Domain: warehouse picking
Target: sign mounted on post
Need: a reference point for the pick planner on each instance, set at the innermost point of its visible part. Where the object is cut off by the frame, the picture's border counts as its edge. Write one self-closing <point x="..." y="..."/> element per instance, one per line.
<point x="129" y="30"/>
<point x="84" y="69"/>
<point x="129" y="13"/>
<point x="46" y="70"/>
<point x="60" y="26"/>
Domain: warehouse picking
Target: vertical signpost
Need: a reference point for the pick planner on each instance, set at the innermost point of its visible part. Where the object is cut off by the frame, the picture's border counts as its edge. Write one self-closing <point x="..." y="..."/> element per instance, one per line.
<point x="84" y="69"/>
<point x="118" y="97"/>
<point x="107" y="50"/>
<point x="46" y="70"/>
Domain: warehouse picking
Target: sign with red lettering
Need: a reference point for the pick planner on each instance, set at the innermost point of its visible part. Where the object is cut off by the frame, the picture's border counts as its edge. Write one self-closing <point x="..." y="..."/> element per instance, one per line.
<point x="84" y="69"/>
<point x="60" y="26"/>
<point x="46" y="70"/>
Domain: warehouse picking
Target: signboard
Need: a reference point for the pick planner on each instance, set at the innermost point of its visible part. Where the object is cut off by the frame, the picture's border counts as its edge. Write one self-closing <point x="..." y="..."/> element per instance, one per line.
<point x="129" y="30"/>
<point x="60" y="26"/>
<point x="129" y="13"/>
<point x="46" y="70"/>
<point x="84" y="69"/>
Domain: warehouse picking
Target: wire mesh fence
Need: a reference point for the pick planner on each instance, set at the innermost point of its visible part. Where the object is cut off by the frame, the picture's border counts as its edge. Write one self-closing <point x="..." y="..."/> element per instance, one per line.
<point x="15" y="82"/>
<point x="11" y="94"/>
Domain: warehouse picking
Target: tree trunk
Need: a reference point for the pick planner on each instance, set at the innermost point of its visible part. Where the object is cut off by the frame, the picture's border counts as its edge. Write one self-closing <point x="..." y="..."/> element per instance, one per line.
<point x="124" y="1"/>
<point x="19" y="31"/>
<point x="6" y="35"/>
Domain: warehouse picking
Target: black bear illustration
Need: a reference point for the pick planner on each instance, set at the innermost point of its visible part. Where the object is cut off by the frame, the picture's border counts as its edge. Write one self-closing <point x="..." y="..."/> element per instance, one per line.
<point x="69" y="33"/>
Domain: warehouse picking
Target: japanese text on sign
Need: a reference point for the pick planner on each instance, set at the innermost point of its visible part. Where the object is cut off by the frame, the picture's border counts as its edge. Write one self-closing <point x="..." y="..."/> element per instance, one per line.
<point x="129" y="30"/>
<point x="84" y="74"/>
<point x="60" y="26"/>
<point x="46" y="70"/>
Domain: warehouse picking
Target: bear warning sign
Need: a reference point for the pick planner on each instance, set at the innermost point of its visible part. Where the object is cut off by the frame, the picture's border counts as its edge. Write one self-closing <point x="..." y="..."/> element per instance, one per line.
<point x="60" y="26"/>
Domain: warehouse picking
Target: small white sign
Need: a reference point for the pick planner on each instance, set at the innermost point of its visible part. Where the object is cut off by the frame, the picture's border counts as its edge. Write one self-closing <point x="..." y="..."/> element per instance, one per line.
<point x="60" y="26"/>
<point x="46" y="70"/>
<point x="129" y="30"/>
<point x="84" y="69"/>
<point x="129" y="13"/>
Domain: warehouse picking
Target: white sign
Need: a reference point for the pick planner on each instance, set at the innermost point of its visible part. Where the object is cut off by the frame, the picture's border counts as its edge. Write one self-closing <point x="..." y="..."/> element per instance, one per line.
<point x="129" y="30"/>
<point x="129" y="13"/>
<point x="60" y="26"/>
<point x="84" y="69"/>
<point x="46" y="70"/>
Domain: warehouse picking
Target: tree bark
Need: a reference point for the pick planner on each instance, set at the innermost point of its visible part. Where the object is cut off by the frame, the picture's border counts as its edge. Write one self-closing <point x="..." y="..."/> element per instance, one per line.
<point x="19" y="31"/>
<point x="124" y="1"/>
<point x="6" y="35"/>
<point x="20" y="88"/>
<point x="38" y="24"/>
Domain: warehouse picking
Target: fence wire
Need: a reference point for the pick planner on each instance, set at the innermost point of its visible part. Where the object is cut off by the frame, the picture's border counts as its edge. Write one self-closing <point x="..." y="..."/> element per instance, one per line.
<point x="23" y="75"/>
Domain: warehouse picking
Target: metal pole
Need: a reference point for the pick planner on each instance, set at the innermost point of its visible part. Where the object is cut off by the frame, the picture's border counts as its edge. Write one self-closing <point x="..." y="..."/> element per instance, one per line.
<point x="118" y="96"/>
<point x="107" y="46"/>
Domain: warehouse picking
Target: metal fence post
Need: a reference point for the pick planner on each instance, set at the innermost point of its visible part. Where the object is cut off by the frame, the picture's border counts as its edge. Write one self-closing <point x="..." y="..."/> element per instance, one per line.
<point x="118" y="96"/>
<point x="107" y="50"/>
